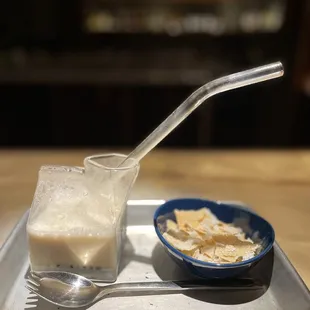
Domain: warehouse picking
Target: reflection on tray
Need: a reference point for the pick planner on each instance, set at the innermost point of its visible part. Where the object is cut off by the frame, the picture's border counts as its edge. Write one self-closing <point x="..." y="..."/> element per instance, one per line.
<point x="166" y="269"/>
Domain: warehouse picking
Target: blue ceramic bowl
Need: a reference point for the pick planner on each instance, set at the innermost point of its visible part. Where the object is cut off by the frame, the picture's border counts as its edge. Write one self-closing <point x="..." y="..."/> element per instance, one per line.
<point x="252" y="224"/>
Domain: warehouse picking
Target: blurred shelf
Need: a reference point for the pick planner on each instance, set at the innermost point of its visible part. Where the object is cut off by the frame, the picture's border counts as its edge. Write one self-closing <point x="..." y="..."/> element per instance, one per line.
<point x="177" y="17"/>
<point x="105" y="77"/>
<point x="173" y="33"/>
<point x="164" y="2"/>
<point x="175" y="23"/>
<point x="131" y="67"/>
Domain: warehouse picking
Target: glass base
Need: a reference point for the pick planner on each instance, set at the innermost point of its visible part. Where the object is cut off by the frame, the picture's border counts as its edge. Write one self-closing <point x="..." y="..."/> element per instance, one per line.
<point x="92" y="273"/>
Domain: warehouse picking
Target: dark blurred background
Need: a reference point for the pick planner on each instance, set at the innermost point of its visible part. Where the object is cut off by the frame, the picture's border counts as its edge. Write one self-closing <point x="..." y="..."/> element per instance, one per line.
<point x="97" y="73"/>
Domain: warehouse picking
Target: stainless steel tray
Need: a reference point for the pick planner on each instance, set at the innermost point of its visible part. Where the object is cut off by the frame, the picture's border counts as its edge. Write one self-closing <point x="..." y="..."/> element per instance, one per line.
<point x="145" y="260"/>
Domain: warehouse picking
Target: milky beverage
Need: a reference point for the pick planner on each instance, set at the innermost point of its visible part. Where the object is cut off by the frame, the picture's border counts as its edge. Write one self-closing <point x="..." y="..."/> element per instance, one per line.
<point x="74" y="226"/>
<point x="72" y="234"/>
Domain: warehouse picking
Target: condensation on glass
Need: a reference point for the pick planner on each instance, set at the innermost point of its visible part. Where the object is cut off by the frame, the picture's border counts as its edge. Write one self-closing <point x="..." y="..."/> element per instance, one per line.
<point x="77" y="218"/>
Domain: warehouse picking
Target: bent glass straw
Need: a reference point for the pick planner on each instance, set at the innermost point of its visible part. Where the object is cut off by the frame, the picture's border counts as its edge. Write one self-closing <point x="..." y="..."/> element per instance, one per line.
<point x="225" y="83"/>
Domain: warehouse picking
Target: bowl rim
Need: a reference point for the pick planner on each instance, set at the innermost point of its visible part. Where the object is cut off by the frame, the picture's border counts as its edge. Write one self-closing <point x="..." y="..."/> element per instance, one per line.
<point x="195" y="261"/>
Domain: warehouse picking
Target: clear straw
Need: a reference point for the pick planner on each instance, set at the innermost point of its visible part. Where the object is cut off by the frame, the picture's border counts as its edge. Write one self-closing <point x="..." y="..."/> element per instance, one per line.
<point x="232" y="81"/>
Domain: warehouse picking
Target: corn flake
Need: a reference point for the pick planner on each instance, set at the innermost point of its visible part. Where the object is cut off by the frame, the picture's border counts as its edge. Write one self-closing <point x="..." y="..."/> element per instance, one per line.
<point x="201" y="235"/>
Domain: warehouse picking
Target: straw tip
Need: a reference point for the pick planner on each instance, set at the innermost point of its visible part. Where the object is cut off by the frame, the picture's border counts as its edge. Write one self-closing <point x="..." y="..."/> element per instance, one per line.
<point x="280" y="67"/>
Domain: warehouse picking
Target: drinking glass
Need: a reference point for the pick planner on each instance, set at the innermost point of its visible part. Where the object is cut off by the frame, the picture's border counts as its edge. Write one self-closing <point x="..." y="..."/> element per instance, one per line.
<point x="77" y="221"/>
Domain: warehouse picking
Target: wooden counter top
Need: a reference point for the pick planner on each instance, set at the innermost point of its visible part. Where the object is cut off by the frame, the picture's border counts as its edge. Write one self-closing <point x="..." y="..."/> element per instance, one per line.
<point x="275" y="183"/>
